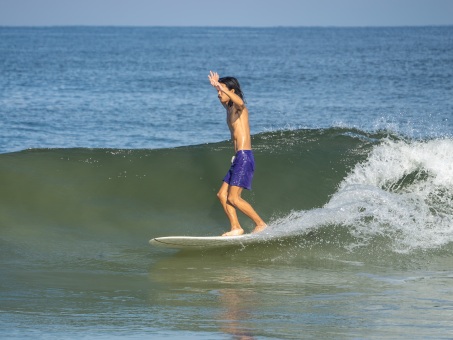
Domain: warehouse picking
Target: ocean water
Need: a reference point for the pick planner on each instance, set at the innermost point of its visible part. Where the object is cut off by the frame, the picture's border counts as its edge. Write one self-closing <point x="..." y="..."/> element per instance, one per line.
<point x="113" y="136"/>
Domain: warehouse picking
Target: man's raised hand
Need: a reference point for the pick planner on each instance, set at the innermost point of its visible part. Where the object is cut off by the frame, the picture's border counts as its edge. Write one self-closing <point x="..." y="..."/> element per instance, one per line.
<point x="214" y="79"/>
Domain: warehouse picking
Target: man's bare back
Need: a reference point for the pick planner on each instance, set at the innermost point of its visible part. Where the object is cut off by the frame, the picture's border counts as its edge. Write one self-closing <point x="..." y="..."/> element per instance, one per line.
<point x="238" y="123"/>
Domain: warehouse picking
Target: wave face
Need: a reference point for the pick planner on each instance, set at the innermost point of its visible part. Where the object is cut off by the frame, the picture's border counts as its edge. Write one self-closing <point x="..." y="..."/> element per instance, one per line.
<point x="336" y="189"/>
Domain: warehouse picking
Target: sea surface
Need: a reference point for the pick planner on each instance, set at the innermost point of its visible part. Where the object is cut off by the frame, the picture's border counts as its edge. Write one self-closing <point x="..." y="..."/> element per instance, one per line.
<point x="111" y="136"/>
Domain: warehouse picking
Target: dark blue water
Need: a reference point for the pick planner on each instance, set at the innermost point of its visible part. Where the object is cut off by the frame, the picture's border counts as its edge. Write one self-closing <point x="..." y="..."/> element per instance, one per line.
<point x="148" y="87"/>
<point x="112" y="136"/>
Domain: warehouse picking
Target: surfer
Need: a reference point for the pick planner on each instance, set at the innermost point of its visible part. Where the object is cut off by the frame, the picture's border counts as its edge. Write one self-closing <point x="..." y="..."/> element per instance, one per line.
<point x="240" y="174"/>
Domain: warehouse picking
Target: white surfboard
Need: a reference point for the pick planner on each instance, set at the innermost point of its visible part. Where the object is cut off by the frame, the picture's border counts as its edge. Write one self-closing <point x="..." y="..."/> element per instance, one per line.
<point x="188" y="242"/>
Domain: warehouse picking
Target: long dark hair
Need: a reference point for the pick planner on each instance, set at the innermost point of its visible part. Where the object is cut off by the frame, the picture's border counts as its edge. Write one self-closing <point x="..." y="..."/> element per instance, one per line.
<point x="232" y="83"/>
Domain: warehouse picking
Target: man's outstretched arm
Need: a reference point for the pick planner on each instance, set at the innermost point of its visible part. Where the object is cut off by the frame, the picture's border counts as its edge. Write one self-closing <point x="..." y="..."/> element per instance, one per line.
<point x="214" y="79"/>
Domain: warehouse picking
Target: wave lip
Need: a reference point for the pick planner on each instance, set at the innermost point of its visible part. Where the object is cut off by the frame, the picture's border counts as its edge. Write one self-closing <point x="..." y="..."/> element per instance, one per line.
<point x="404" y="192"/>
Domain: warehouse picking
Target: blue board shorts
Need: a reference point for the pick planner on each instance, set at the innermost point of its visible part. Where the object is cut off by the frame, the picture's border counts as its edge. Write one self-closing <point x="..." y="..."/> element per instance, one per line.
<point x="241" y="170"/>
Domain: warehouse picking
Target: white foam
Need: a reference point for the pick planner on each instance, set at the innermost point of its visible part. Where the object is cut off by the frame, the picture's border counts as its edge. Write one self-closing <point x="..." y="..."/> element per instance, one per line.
<point x="392" y="160"/>
<point x="402" y="192"/>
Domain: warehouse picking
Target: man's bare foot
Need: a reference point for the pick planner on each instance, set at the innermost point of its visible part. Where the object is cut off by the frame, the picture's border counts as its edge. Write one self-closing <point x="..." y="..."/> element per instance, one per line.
<point x="234" y="232"/>
<point x="259" y="228"/>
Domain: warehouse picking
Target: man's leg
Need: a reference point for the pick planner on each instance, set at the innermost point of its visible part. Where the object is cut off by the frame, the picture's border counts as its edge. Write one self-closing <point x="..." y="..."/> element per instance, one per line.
<point x="235" y="199"/>
<point x="230" y="211"/>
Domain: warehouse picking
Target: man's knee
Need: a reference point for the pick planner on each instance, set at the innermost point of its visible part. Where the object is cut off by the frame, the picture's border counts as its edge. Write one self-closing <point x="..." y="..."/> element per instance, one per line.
<point x="222" y="196"/>
<point x="233" y="199"/>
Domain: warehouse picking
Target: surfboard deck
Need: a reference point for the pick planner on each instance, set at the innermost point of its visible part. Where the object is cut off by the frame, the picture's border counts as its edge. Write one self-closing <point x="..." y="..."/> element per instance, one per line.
<point x="193" y="242"/>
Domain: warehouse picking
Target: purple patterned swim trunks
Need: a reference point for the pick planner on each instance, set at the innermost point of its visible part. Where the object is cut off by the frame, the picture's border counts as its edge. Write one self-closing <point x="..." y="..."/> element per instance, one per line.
<point x="241" y="170"/>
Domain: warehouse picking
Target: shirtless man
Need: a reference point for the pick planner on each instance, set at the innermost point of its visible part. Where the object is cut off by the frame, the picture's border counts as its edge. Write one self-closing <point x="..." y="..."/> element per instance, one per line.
<point x="240" y="175"/>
